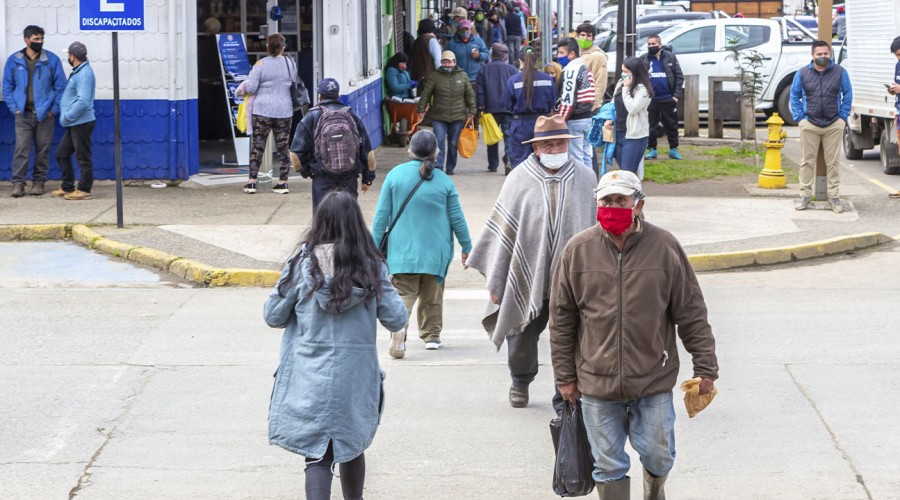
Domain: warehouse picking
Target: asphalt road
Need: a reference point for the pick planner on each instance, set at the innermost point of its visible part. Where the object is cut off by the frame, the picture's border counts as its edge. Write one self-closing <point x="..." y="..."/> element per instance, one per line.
<point x="162" y="392"/>
<point x="870" y="166"/>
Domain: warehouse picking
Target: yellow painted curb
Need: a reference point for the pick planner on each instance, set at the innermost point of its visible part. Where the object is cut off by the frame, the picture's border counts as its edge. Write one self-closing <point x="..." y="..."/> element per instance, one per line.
<point x="44" y="232"/>
<point x="84" y="235"/>
<point x="252" y="277"/>
<point x="113" y="248"/>
<point x="769" y="256"/>
<point x="152" y="258"/>
<point x="10" y="233"/>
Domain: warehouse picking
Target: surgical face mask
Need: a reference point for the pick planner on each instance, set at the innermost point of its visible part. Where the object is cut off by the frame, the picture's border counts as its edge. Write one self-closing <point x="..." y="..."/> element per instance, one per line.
<point x="563" y="61"/>
<point x="653" y="50"/>
<point x="36" y="46"/>
<point x="584" y="43"/>
<point x="823" y="61"/>
<point x="445" y="69"/>
<point x="554" y="161"/>
<point x="464" y="35"/>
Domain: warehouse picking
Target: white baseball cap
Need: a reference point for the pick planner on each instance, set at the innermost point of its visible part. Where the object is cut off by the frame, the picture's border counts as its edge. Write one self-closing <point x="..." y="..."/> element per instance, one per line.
<point x="621" y="182"/>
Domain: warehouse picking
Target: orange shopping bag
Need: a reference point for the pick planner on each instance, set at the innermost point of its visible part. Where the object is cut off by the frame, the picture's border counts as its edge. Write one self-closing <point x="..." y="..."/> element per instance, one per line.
<point x="468" y="139"/>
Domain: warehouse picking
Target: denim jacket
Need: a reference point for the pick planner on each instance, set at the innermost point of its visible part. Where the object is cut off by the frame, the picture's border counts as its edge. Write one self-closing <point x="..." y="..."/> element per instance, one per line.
<point x="49" y="82"/>
<point x="77" y="104"/>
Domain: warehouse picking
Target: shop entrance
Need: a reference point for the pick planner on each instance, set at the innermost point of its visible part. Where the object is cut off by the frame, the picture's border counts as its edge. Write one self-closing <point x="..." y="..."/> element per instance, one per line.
<point x="300" y="26"/>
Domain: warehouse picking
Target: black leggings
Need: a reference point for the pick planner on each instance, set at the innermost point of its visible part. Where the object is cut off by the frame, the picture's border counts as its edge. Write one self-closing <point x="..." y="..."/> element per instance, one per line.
<point x="318" y="477"/>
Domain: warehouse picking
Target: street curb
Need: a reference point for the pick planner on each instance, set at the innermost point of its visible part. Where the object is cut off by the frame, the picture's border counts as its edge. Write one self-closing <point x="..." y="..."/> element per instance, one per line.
<point x="187" y="269"/>
<point x="202" y="274"/>
<point x="783" y="255"/>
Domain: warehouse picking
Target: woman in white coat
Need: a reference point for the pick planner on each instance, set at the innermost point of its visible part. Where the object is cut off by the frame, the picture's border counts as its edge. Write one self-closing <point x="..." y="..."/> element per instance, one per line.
<point x="632" y="97"/>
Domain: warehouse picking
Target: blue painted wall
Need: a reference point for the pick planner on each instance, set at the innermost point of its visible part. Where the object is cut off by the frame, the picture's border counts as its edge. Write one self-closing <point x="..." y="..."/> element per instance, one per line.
<point x="366" y="103"/>
<point x="159" y="140"/>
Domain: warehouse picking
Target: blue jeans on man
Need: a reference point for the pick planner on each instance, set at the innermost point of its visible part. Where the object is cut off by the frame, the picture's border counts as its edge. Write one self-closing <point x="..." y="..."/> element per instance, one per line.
<point x="580" y="148"/>
<point x="503" y="120"/>
<point x="447" y="135"/>
<point x="647" y="422"/>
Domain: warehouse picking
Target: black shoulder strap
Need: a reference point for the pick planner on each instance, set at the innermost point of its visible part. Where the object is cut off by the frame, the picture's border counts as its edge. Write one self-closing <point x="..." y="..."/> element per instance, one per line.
<point x="400" y="212"/>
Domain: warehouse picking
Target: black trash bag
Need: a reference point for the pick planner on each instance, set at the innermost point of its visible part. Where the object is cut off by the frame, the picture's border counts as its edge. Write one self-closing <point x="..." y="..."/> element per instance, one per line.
<point x="574" y="466"/>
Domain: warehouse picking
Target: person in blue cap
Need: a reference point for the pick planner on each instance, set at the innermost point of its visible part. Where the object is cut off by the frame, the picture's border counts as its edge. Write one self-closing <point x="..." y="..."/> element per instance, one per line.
<point x="332" y="147"/>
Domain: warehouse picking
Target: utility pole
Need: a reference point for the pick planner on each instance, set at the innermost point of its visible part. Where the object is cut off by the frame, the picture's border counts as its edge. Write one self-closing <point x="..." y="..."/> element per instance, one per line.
<point x="625" y="32"/>
<point x="820" y="187"/>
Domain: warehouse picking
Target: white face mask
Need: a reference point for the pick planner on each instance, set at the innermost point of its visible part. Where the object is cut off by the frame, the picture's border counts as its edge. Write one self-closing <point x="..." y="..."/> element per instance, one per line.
<point x="554" y="160"/>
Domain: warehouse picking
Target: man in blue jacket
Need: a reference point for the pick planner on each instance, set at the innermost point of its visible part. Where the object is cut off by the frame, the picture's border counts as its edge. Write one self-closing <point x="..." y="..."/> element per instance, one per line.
<point x="489" y="85"/>
<point x="33" y="81"/>
<point x="77" y="116"/>
<point x="471" y="52"/>
<point x="821" y="96"/>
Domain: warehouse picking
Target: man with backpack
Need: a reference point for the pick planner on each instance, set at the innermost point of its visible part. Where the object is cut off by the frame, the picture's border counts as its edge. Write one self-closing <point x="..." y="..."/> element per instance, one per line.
<point x="332" y="146"/>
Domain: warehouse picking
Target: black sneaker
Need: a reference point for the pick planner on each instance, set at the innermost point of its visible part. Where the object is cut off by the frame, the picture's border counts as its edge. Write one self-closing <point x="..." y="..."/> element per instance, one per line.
<point x="281" y="188"/>
<point x="250" y="188"/>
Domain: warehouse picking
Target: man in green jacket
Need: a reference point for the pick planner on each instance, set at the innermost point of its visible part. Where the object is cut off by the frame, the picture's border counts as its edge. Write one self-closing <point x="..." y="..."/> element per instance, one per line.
<point x="620" y="290"/>
<point x="452" y="104"/>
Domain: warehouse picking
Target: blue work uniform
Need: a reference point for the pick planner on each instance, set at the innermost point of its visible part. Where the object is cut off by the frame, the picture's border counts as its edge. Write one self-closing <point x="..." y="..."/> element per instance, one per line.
<point x="543" y="100"/>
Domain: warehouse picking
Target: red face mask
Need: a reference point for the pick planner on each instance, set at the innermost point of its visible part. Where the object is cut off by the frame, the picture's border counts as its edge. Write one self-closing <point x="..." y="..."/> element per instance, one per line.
<point x="614" y="219"/>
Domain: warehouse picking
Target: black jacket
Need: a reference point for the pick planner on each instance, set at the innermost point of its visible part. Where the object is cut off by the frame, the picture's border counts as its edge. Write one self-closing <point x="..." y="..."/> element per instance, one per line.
<point x="489" y="85"/>
<point x="673" y="72"/>
<point x="304" y="145"/>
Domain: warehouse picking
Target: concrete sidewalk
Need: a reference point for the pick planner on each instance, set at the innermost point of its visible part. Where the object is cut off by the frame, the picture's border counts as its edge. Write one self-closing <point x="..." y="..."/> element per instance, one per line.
<point x="225" y="228"/>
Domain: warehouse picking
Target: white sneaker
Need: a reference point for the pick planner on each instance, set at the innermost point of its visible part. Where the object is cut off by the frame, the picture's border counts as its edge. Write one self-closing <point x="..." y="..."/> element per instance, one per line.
<point x="433" y="346"/>
<point x="398" y="345"/>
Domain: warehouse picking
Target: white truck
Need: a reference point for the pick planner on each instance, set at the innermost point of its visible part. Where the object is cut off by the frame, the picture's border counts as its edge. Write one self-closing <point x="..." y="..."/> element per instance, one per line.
<point x="701" y="50"/>
<point x="866" y="55"/>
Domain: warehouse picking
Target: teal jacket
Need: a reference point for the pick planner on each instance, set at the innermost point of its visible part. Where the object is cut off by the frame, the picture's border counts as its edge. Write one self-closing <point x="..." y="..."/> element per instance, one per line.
<point x="422" y="240"/>
<point x="77" y="103"/>
<point x="397" y="83"/>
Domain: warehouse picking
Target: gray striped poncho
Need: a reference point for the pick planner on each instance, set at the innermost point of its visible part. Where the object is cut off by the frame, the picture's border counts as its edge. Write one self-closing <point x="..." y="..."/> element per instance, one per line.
<point x="534" y="217"/>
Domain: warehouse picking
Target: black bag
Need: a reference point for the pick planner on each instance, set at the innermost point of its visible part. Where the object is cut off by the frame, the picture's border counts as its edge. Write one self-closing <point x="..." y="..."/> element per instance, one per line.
<point x="299" y="95"/>
<point x="574" y="466"/>
<point x="384" y="239"/>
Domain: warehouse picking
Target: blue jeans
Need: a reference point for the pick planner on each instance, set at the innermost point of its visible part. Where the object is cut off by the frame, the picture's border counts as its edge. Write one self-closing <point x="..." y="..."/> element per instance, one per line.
<point x="630" y="152"/>
<point x="648" y="422"/>
<point x="503" y="120"/>
<point x="580" y="148"/>
<point x="447" y="134"/>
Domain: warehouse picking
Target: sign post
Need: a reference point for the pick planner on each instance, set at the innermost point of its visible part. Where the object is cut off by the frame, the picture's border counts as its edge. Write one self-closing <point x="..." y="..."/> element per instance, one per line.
<point x="115" y="16"/>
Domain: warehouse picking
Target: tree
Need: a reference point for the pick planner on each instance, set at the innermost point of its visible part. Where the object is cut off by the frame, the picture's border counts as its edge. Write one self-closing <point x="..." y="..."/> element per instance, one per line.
<point x="747" y="62"/>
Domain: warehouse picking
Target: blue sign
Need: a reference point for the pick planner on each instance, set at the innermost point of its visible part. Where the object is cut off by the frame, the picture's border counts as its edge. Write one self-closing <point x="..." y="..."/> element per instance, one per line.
<point x="234" y="56"/>
<point x="111" y="15"/>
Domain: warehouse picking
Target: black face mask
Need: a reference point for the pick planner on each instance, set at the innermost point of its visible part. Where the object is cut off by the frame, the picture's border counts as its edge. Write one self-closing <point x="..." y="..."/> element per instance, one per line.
<point x="36" y="46"/>
<point x="653" y="50"/>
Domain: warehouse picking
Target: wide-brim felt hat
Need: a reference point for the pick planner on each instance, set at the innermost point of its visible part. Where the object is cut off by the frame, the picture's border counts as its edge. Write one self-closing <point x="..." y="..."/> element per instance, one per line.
<point x="550" y="127"/>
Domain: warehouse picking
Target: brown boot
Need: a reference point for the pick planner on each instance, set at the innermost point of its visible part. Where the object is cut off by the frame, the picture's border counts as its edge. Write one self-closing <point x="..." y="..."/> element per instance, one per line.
<point x="37" y="188"/>
<point x="18" y="190"/>
<point x="654" y="487"/>
<point x="615" y="490"/>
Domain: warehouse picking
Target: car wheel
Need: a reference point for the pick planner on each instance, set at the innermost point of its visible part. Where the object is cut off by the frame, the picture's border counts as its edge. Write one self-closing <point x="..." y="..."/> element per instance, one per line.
<point x="784" y="107"/>
<point x="850" y="152"/>
<point x="890" y="156"/>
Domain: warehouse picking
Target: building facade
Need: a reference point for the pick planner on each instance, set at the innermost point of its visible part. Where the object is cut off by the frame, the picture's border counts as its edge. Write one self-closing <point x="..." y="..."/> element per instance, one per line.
<point x="161" y="71"/>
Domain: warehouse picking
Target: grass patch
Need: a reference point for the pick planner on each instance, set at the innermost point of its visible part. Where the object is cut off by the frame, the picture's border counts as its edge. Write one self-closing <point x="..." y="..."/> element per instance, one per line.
<point x="702" y="163"/>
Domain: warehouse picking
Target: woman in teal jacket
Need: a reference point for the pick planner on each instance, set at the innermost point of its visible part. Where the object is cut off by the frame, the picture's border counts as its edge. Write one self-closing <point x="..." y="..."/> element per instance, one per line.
<point x="420" y="246"/>
<point x="328" y="395"/>
<point x="396" y="78"/>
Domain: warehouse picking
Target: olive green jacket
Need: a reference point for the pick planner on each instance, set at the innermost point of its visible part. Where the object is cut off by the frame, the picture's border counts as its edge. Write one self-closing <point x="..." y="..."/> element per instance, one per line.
<point x="451" y="96"/>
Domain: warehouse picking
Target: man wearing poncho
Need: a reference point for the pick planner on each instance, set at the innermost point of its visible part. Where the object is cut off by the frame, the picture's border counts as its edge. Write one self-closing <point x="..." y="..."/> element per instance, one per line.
<point x="546" y="200"/>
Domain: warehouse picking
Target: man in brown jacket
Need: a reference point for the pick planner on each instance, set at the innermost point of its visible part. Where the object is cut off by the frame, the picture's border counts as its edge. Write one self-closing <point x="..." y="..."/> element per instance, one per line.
<point x="620" y="290"/>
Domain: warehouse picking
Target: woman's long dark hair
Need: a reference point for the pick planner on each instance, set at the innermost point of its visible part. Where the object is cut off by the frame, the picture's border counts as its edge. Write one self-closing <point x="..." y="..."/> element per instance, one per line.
<point x="528" y="69"/>
<point x="398" y="58"/>
<point x="357" y="263"/>
<point x="639" y="74"/>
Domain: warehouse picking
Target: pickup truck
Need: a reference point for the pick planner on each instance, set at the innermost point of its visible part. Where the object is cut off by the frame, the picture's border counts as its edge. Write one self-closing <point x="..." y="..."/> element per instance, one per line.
<point x="866" y="55"/>
<point x="701" y="50"/>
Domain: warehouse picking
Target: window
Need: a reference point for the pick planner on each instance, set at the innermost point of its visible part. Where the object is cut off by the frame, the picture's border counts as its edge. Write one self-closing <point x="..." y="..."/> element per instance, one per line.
<point x="694" y="41"/>
<point x="746" y="36"/>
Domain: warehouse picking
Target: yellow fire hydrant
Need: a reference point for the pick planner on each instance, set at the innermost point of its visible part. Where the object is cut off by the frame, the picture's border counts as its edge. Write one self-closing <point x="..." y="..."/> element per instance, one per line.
<point x="772" y="176"/>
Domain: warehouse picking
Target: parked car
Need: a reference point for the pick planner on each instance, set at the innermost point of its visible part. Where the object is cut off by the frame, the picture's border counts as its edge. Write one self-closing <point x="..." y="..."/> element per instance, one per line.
<point x="677" y="17"/>
<point x="701" y="50"/>
<point x="608" y="17"/>
<point x="865" y="54"/>
<point x="607" y="40"/>
<point x="799" y="26"/>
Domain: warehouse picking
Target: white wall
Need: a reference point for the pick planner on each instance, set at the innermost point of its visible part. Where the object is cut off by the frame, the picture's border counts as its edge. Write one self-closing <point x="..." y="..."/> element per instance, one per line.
<point x="157" y="63"/>
<point x="342" y="57"/>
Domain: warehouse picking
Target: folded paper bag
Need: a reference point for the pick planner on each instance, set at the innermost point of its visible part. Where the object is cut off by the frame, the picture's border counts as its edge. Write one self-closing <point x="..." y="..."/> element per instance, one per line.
<point x="694" y="402"/>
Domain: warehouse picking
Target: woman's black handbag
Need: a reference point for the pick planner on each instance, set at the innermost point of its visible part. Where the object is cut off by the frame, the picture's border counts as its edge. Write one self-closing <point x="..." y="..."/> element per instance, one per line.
<point x="299" y="95"/>
<point x="384" y="239"/>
